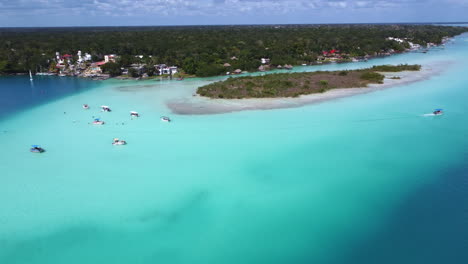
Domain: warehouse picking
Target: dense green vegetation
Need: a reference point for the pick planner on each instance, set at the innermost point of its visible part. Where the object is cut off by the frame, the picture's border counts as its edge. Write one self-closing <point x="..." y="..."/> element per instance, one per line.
<point x="111" y="68"/>
<point x="202" y="50"/>
<point x="373" y="77"/>
<point x="295" y="84"/>
<point x="397" y="68"/>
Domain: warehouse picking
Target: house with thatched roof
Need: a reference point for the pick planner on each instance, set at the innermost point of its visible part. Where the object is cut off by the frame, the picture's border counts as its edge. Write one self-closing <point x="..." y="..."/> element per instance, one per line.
<point x="238" y="71"/>
<point x="227" y="65"/>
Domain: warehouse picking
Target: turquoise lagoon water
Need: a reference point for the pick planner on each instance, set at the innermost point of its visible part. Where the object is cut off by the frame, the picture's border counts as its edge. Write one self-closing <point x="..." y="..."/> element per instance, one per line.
<point x="363" y="179"/>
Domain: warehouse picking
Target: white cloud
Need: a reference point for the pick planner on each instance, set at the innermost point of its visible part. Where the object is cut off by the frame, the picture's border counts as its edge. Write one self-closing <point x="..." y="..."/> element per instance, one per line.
<point x="167" y="8"/>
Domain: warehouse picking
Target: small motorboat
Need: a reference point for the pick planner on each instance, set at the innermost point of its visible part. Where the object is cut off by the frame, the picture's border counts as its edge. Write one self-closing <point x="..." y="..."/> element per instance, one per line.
<point x="98" y="121"/>
<point x="105" y="108"/>
<point x="165" y="119"/>
<point x="438" y="111"/>
<point x="119" y="142"/>
<point x="85" y="106"/>
<point x="134" y="114"/>
<point x="37" y="149"/>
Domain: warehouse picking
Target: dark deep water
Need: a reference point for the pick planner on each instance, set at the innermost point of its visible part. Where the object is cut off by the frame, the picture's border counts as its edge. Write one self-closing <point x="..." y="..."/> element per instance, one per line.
<point x="429" y="226"/>
<point x="18" y="92"/>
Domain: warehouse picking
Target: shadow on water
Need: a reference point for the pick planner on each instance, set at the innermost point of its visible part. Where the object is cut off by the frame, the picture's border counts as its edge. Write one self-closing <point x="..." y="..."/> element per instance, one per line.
<point x="156" y="236"/>
<point x="429" y="227"/>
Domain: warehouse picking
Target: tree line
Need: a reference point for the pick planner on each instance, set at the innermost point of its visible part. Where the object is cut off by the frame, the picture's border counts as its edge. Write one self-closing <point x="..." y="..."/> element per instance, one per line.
<point x="202" y="50"/>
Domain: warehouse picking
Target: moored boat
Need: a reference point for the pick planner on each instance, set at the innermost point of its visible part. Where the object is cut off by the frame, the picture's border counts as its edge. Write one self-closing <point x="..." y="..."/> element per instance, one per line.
<point x="165" y="119"/>
<point x="106" y="108"/>
<point x="119" y="142"/>
<point x="97" y="121"/>
<point x="438" y="111"/>
<point x="37" y="149"/>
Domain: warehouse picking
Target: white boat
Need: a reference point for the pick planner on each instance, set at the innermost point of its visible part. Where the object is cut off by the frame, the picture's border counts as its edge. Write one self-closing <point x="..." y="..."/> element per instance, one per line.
<point x="119" y="142"/>
<point x="30" y="75"/>
<point x="105" y="108"/>
<point x="165" y="119"/>
<point x="134" y="114"/>
<point x="85" y="106"/>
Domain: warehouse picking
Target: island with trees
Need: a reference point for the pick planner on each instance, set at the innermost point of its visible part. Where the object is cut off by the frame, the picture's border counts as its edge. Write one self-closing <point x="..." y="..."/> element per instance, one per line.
<point x="298" y="83"/>
<point x="184" y="51"/>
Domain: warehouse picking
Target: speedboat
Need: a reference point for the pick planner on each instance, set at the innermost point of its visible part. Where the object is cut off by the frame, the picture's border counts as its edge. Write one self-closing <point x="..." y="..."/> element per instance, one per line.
<point x="36" y="149"/>
<point x="105" y="108"/>
<point x="97" y="121"/>
<point x="119" y="142"/>
<point x="134" y="114"/>
<point x="165" y="119"/>
<point x="438" y="111"/>
<point x="85" y="106"/>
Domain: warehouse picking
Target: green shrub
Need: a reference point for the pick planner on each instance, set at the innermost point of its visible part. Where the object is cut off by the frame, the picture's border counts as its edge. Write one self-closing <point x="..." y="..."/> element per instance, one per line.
<point x="397" y="68"/>
<point x="372" y="77"/>
<point x="323" y="82"/>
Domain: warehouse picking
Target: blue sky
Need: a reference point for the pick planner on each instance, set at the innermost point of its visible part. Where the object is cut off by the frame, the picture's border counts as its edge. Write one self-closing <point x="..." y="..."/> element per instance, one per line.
<point x="26" y="13"/>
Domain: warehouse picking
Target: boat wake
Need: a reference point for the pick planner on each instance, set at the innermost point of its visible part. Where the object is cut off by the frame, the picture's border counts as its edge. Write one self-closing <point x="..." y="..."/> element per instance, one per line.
<point x="432" y="114"/>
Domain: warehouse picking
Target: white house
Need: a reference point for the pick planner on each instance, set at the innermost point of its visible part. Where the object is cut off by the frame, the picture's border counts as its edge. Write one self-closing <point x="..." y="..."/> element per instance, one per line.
<point x="87" y="57"/>
<point x="110" y="57"/>
<point x="396" y="39"/>
<point x="60" y="60"/>
<point x="163" y="69"/>
<point x="265" y="60"/>
<point x="80" y="58"/>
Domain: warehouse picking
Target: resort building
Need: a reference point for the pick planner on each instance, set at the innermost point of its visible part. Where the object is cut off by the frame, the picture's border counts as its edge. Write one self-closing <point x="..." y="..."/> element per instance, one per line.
<point x="265" y="60"/>
<point x="58" y="58"/>
<point x="110" y="58"/>
<point x="80" y="58"/>
<point x="163" y="69"/>
<point x="87" y="57"/>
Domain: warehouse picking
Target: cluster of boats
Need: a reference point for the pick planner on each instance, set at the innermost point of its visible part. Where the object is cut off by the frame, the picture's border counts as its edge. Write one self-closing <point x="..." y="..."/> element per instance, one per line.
<point x="98" y="121"/>
<point x="116" y="141"/>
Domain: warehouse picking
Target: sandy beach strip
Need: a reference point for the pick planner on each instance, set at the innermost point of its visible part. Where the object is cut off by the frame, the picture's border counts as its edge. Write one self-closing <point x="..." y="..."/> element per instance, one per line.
<point x="198" y="105"/>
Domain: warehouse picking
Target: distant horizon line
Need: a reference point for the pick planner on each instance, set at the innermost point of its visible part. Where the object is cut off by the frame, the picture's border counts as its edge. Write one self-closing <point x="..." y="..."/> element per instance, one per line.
<point x="276" y="24"/>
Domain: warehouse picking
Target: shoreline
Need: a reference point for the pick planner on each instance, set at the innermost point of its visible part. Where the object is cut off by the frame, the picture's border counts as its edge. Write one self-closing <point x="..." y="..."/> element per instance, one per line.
<point x="105" y="76"/>
<point x="198" y="105"/>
